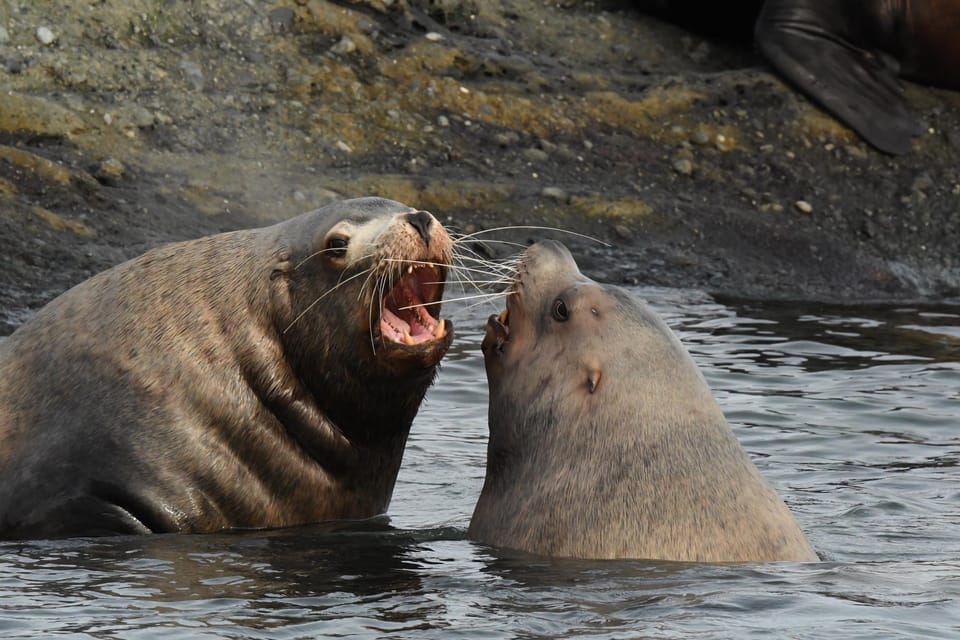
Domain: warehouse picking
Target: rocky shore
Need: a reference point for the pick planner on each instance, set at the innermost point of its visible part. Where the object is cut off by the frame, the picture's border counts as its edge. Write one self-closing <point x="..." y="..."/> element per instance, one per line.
<point x="125" y="124"/>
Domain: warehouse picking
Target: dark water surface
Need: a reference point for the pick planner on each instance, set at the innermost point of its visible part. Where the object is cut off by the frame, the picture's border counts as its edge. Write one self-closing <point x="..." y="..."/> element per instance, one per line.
<point x="853" y="414"/>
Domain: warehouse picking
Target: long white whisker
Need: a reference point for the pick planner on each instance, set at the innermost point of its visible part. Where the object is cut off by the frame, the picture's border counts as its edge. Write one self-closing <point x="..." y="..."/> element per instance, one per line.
<point x="321" y="297"/>
<point x="459" y="299"/>
<point x="566" y="231"/>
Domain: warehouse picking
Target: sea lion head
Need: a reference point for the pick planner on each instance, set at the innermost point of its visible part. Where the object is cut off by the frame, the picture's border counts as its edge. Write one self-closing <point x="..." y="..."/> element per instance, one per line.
<point x="605" y="440"/>
<point x="548" y="302"/>
<point x="359" y="282"/>
<point x="565" y="345"/>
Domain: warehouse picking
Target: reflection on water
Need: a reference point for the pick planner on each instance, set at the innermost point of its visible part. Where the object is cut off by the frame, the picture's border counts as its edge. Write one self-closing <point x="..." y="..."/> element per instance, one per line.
<point x="851" y="413"/>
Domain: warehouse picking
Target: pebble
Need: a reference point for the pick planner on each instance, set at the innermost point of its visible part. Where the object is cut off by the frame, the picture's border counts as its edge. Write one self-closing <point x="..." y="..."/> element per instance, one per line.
<point x="443" y="121"/>
<point x="700" y="136"/>
<point x="507" y="138"/>
<point x="623" y="231"/>
<point x="4" y="35"/>
<point x="109" y="171"/>
<point x="803" y="206"/>
<point x="281" y="19"/>
<point x="45" y="36"/>
<point x="343" y="146"/>
<point x="346" y="45"/>
<point x="554" y="193"/>
<point x="433" y="36"/>
<point x="192" y="73"/>
<point x="535" y="155"/>
<point x="683" y="166"/>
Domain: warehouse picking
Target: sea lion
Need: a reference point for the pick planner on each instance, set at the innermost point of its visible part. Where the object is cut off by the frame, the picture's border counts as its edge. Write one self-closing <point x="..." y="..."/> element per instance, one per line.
<point x="845" y="55"/>
<point x="252" y="379"/>
<point x="605" y="440"/>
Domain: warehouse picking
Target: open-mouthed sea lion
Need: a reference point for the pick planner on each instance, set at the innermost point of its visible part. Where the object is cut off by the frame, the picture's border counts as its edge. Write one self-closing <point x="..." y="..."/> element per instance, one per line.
<point x="605" y="440"/>
<point x="258" y="378"/>
<point x="846" y="55"/>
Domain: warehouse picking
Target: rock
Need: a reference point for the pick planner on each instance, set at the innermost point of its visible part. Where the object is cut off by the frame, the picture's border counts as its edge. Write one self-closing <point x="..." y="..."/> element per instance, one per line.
<point x="281" y="19"/>
<point x="701" y="136"/>
<point x="623" y="231"/>
<point x="344" y="46"/>
<point x="803" y="206"/>
<point x="109" y="171"/>
<point x="554" y="193"/>
<point x="683" y="166"/>
<point x="507" y="138"/>
<point x="45" y="35"/>
<point x="192" y="73"/>
<point x="535" y="155"/>
<point x="4" y="36"/>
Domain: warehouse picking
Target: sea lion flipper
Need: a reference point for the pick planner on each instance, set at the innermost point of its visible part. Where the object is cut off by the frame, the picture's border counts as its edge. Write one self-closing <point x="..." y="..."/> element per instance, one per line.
<point x="857" y="86"/>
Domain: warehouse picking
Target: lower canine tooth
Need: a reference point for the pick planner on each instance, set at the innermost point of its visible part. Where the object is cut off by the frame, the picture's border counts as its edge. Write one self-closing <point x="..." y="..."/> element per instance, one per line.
<point x="410" y="269"/>
<point x="407" y="337"/>
<point x="440" y="329"/>
<point x="503" y="317"/>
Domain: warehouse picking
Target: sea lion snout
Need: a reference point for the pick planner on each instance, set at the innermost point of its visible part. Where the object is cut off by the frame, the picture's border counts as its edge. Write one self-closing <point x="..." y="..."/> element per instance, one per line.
<point x="421" y="221"/>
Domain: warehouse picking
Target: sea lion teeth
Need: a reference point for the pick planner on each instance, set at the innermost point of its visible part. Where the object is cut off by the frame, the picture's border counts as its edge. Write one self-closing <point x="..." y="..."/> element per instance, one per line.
<point x="440" y="329"/>
<point x="407" y="338"/>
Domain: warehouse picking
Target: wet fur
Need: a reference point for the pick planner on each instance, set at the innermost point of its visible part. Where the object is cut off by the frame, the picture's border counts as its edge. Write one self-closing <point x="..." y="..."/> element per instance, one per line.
<point x="645" y="466"/>
<point x="175" y="392"/>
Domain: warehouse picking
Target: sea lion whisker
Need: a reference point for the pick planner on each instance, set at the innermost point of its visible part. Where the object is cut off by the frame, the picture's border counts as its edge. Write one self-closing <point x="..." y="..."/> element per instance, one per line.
<point x="483" y="302"/>
<point x="321" y="297"/>
<point x="509" y="243"/>
<point x="462" y="298"/>
<point x="461" y="238"/>
<point x="488" y="266"/>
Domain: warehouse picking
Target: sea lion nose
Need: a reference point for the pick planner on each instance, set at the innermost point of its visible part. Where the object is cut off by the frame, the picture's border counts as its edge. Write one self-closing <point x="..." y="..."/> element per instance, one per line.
<point x="421" y="221"/>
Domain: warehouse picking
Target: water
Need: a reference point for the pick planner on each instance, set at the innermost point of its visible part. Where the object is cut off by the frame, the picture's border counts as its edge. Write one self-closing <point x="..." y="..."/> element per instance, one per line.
<point x="853" y="414"/>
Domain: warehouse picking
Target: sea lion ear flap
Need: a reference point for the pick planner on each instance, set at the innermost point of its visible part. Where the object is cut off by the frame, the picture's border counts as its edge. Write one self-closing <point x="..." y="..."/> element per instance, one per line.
<point x="593" y="378"/>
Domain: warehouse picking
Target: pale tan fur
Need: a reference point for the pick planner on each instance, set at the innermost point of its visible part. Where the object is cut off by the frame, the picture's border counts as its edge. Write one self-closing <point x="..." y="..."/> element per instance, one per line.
<point x="645" y="466"/>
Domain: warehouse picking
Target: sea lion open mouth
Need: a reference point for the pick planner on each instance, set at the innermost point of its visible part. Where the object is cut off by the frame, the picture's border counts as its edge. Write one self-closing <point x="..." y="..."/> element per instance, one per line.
<point x="405" y="316"/>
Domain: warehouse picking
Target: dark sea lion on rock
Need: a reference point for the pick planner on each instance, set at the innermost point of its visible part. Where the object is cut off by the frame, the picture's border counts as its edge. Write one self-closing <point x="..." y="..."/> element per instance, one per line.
<point x="605" y="440"/>
<point x="258" y="378"/>
<point x="846" y="54"/>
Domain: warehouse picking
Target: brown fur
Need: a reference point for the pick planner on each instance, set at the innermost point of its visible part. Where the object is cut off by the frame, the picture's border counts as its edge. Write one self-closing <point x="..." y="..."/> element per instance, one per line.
<point x="184" y="391"/>
<point x="605" y="440"/>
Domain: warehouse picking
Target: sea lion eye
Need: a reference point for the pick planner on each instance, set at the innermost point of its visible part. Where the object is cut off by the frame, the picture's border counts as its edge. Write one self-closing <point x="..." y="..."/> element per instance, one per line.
<point x="560" y="312"/>
<point x="336" y="246"/>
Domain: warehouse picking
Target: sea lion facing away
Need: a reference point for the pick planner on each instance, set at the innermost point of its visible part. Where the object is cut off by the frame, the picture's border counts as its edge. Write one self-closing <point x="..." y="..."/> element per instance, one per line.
<point x="605" y="440"/>
<point x="259" y="378"/>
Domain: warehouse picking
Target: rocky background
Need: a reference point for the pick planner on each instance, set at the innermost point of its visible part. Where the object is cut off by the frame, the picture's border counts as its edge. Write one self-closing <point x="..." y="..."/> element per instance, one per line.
<point x="128" y="123"/>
